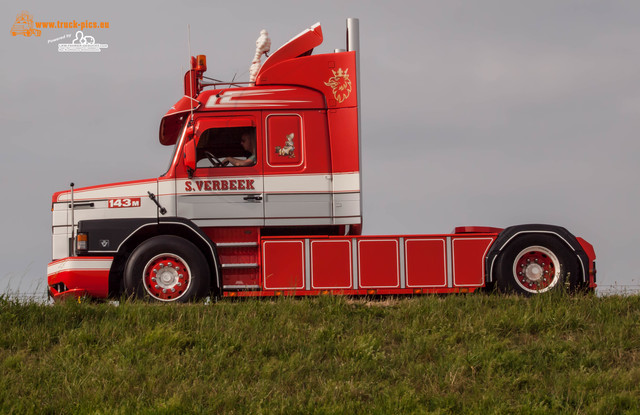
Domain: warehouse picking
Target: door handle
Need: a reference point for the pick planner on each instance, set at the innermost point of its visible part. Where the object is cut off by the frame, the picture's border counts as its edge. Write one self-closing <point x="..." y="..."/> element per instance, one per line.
<point x="252" y="197"/>
<point x="77" y="205"/>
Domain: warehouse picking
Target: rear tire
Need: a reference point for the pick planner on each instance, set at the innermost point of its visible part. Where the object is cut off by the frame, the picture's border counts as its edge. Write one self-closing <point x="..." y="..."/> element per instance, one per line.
<point x="535" y="264"/>
<point x="167" y="269"/>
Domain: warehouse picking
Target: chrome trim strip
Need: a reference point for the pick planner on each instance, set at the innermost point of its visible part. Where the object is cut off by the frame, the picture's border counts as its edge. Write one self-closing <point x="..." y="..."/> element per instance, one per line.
<point x="449" y="263"/>
<point x="236" y="244"/>
<point x="227" y="266"/>
<point x="354" y="262"/>
<point x="241" y="287"/>
<point x="401" y="259"/>
<point x="307" y="264"/>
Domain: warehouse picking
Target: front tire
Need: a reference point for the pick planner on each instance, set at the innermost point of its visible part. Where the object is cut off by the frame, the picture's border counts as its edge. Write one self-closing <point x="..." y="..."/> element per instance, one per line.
<point x="167" y="269"/>
<point x="535" y="264"/>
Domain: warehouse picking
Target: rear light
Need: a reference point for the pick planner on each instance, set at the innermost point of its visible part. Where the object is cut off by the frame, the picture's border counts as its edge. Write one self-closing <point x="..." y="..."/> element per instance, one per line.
<point x="82" y="242"/>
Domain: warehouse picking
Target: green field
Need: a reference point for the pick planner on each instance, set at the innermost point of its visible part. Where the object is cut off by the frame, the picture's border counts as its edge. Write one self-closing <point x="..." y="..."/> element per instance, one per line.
<point x="458" y="354"/>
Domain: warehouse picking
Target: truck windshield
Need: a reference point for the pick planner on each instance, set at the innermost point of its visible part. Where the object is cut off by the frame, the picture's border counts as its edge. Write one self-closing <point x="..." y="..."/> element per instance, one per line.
<point x="175" y="149"/>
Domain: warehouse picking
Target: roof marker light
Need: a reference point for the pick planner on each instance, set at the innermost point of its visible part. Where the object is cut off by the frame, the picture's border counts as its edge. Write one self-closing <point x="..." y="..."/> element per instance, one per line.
<point x="201" y="64"/>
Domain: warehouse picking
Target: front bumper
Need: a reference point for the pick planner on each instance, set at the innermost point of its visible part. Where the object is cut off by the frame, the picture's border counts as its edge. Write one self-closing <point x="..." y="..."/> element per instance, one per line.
<point x="79" y="276"/>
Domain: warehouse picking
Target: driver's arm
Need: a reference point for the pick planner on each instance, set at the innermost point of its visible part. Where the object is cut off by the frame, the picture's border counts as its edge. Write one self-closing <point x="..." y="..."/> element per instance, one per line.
<point x="238" y="162"/>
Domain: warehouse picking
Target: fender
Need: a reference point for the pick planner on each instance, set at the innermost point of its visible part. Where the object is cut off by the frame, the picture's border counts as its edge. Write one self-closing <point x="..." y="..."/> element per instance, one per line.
<point x="106" y="236"/>
<point x="121" y="236"/>
<point x="559" y="232"/>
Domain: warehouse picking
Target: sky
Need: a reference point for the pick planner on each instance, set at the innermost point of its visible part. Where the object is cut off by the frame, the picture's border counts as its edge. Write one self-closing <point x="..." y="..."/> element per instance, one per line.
<point x="491" y="113"/>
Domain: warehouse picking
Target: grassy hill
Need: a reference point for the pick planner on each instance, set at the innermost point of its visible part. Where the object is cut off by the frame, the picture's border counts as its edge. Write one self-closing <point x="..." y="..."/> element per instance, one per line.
<point x="457" y="354"/>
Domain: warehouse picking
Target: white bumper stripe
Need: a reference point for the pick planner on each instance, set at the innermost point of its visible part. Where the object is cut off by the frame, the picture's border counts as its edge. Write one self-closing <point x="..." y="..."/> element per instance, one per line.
<point x="284" y="183"/>
<point x="79" y="264"/>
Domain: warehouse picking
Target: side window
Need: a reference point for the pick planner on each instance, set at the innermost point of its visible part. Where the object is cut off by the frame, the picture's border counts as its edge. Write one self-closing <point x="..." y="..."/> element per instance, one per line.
<point x="284" y="140"/>
<point x="227" y="147"/>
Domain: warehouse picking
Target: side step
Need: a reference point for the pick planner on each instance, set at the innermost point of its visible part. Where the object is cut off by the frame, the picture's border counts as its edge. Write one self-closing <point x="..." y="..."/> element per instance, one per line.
<point x="236" y="244"/>
<point x="240" y="265"/>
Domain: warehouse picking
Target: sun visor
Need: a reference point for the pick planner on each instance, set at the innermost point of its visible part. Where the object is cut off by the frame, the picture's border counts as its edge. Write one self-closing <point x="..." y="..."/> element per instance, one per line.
<point x="173" y="121"/>
<point x="222" y="122"/>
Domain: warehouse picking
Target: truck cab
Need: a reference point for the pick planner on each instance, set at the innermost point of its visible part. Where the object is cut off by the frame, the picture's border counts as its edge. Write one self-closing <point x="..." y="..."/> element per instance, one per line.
<point x="300" y="116"/>
<point x="292" y="182"/>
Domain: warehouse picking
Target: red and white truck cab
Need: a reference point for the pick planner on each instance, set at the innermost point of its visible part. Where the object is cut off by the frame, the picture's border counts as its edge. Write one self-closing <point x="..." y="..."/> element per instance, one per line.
<point x="263" y="198"/>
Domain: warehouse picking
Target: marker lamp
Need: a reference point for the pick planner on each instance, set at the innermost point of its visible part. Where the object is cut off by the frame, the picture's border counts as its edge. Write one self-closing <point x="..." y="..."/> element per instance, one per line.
<point x="82" y="242"/>
<point x="201" y="63"/>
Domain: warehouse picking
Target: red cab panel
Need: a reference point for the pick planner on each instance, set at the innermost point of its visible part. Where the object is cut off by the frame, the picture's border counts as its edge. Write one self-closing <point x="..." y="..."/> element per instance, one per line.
<point x="343" y="130"/>
<point x="284" y="140"/>
<point x="332" y="74"/>
<point x="256" y="98"/>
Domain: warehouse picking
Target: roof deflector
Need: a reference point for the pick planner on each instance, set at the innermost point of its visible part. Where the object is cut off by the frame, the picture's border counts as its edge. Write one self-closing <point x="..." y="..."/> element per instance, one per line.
<point x="301" y="45"/>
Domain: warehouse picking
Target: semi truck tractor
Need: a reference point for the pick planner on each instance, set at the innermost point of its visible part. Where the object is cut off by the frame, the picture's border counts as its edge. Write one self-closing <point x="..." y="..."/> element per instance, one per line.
<point x="263" y="197"/>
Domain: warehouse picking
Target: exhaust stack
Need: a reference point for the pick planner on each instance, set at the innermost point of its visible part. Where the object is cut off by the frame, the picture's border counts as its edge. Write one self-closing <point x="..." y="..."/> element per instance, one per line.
<point x="353" y="44"/>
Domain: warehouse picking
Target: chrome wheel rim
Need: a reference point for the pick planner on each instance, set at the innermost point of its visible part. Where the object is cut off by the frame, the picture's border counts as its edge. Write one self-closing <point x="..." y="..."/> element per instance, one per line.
<point x="166" y="277"/>
<point x="536" y="269"/>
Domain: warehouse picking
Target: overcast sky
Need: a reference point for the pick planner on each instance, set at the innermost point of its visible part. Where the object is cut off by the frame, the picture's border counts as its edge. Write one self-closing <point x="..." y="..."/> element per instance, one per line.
<point x="473" y="113"/>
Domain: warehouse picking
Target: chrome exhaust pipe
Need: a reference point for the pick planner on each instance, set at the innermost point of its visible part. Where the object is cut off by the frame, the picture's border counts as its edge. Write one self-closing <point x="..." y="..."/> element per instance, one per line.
<point x="353" y="44"/>
<point x="72" y="247"/>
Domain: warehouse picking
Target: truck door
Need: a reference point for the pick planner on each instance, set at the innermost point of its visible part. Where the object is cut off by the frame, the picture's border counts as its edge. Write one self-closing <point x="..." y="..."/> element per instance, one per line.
<point x="227" y="187"/>
<point x="297" y="173"/>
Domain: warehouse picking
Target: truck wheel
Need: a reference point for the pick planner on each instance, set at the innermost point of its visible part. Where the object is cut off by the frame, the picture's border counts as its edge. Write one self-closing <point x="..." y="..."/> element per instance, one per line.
<point x="166" y="268"/>
<point x="535" y="264"/>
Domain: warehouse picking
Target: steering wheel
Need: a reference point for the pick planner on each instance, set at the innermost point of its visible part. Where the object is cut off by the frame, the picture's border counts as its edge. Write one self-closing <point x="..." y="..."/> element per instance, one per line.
<point x="213" y="159"/>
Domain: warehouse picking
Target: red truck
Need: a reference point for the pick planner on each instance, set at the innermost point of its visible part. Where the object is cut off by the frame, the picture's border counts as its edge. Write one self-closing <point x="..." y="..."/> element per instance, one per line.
<point x="262" y="197"/>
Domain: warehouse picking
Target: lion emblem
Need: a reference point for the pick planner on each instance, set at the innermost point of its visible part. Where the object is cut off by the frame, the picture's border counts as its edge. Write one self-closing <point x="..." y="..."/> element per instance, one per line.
<point x="340" y="84"/>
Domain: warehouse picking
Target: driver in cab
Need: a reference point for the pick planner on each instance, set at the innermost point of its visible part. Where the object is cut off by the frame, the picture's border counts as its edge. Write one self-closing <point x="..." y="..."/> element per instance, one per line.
<point x="249" y="145"/>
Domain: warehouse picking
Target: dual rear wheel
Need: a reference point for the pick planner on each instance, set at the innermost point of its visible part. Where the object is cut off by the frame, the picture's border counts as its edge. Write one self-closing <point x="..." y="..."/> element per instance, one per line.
<point x="535" y="264"/>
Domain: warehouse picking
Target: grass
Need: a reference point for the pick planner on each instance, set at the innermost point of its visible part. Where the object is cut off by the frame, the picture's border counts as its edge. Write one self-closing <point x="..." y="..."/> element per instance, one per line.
<point x="457" y="354"/>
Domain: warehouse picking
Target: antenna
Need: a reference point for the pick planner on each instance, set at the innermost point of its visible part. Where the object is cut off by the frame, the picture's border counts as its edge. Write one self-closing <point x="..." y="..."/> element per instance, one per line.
<point x="72" y="249"/>
<point x="190" y="71"/>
